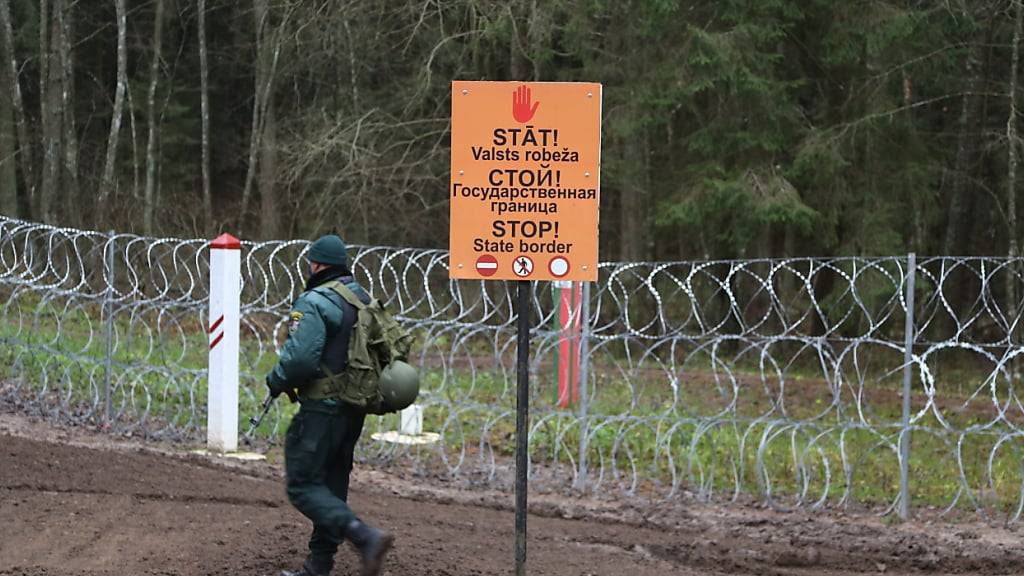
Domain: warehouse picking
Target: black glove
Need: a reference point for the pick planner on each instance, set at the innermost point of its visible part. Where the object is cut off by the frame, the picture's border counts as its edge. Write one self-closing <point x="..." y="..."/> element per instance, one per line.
<point x="275" y="391"/>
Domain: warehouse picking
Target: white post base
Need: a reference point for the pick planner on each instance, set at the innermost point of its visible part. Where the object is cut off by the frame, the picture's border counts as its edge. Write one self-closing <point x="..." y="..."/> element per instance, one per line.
<point x="412" y="420"/>
<point x="410" y="432"/>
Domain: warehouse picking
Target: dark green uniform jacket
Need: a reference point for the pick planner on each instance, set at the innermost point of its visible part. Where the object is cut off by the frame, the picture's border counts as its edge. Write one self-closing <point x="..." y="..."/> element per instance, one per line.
<point x="319" y="328"/>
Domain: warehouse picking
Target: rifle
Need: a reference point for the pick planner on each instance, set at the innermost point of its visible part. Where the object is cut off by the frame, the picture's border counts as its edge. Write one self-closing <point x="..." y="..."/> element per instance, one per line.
<point x="255" y="421"/>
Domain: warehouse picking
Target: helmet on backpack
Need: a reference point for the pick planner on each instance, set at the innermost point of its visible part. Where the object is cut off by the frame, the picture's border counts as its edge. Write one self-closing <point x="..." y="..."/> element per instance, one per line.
<point x="400" y="385"/>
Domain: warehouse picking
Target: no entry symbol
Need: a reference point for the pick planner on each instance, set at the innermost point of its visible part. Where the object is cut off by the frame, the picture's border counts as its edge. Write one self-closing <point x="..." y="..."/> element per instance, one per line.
<point x="523" y="266"/>
<point x="486" y="265"/>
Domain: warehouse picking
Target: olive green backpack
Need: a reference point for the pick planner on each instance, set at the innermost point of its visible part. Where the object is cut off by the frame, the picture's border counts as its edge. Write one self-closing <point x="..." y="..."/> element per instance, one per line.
<point x="377" y="340"/>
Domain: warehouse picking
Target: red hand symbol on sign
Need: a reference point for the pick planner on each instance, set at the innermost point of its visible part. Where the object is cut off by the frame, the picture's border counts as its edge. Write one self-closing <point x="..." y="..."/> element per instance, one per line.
<point x="521" y="109"/>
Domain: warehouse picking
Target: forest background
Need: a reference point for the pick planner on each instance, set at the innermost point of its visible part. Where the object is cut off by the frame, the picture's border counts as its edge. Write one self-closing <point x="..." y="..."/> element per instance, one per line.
<point x="732" y="128"/>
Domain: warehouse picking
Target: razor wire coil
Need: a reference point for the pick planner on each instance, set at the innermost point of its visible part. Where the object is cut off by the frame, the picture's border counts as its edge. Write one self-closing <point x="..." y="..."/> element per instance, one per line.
<point x="777" y="379"/>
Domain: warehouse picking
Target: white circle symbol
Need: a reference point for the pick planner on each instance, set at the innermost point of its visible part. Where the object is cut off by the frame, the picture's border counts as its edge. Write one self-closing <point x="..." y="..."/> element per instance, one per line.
<point x="558" y="266"/>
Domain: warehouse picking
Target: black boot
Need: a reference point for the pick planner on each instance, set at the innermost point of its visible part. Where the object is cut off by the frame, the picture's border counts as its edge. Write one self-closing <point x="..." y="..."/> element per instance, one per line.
<point x="310" y="568"/>
<point x="372" y="544"/>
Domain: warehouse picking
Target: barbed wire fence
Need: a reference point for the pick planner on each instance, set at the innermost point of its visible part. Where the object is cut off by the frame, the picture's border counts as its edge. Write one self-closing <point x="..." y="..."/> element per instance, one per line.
<point x="781" y="379"/>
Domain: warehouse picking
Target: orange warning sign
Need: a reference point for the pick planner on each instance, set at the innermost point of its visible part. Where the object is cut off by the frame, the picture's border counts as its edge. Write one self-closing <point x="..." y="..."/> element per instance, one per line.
<point x="525" y="180"/>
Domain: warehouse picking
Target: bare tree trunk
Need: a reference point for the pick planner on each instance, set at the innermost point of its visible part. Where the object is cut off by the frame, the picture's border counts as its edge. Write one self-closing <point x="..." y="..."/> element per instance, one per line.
<point x="107" y="180"/>
<point x="266" y="64"/>
<point x="8" y="151"/>
<point x="204" y="97"/>
<point x="44" y="63"/>
<point x="516" y="63"/>
<point x="1011" y="180"/>
<point x="270" y="219"/>
<point x="916" y="202"/>
<point x="957" y="240"/>
<point x="965" y="146"/>
<point x="50" y="101"/>
<point x="353" y="70"/>
<point x="14" y="91"/>
<point x="133" y="125"/>
<point x="149" y="199"/>
<point x="67" y="64"/>
<point x="254" y="143"/>
<point x="539" y="35"/>
<point x="634" y="215"/>
<point x="1011" y="136"/>
<point x="44" y="48"/>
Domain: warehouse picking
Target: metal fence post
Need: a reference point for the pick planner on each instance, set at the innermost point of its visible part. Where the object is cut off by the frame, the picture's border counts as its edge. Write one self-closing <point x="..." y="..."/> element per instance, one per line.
<point x="908" y="356"/>
<point x="108" y="304"/>
<point x="581" y="477"/>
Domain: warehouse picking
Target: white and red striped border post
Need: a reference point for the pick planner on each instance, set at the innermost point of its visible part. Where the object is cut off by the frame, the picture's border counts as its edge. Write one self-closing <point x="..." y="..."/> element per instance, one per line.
<point x="225" y="296"/>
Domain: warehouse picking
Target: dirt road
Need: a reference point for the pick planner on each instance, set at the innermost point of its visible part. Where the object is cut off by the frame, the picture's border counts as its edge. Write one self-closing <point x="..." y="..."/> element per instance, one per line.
<point x="70" y="509"/>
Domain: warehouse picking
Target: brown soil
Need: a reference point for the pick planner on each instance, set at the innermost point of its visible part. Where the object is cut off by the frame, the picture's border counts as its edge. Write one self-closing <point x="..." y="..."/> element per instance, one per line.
<point x="76" y="504"/>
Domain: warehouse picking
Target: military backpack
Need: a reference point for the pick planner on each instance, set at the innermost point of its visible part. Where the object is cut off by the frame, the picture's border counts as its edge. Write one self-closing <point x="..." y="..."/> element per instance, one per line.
<point x="377" y="342"/>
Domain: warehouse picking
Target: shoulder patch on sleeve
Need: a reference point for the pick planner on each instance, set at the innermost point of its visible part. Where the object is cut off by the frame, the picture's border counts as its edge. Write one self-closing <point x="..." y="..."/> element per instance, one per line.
<point x="293" y="325"/>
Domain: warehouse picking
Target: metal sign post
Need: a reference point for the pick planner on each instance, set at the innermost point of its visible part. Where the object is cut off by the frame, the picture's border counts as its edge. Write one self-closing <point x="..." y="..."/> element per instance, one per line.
<point x="522" y="419"/>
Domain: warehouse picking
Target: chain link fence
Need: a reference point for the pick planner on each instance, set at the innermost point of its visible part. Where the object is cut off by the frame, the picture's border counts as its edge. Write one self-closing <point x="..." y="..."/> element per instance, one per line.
<point x="784" y="380"/>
